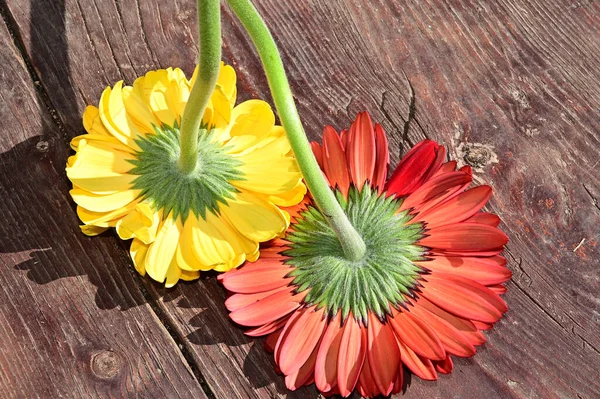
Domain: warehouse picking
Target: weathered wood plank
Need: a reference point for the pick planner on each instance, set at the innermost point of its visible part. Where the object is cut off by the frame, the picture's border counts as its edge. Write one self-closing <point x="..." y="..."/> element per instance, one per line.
<point x="72" y="319"/>
<point x="511" y="87"/>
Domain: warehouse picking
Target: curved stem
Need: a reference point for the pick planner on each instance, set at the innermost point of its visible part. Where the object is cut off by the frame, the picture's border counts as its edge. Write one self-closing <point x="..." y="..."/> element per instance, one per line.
<point x="209" y="64"/>
<point x="352" y="243"/>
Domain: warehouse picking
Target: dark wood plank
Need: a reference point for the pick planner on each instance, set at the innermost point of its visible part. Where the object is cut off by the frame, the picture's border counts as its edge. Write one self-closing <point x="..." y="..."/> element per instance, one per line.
<point x="73" y="320"/>
<point x="510" y="87"/>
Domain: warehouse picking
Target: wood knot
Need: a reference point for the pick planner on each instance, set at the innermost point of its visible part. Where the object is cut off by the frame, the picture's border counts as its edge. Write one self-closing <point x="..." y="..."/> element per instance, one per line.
<point x="106" y="364"/>
<point x="42" y="146"/>
<point x="477" y="155"/>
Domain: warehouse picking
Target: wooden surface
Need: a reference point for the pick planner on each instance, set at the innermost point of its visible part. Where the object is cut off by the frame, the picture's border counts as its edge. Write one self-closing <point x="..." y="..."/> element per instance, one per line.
<point x="510" y="87"/>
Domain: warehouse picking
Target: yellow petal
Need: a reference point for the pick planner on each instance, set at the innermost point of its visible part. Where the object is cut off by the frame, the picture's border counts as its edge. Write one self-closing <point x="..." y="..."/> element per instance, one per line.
<point x="104" y="219"/>
<point x="101" y="167"/>
<point x="115" y="118"/>
<point x="103" y="203"/>
<point x="92" y="230"/>
<point x="251" y="121"/>
<point x="141" y="223"/>
<point x="189" y="276"/>
<point x="221" y="109"/>
<point x="155" y="89"/>
<point x="95" y="137"/>
<point x="162" y="250"/>
<point x="185" y="254"/>
<point x="179" y="91"/>
<point x="255" y="217"/>
<point x="92" y="122"/>
<point x="173" y="274"/>
<point x="230" y="265"/>
<point x="210" y="248"/>
<point x="138" y="109"/>
<point x="227" y="83"/>
<point x="138" y="251"/>
<point x="289" y="198"/>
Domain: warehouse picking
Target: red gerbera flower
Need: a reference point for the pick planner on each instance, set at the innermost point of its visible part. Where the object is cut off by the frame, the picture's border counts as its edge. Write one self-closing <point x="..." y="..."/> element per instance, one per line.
<point x="429" y="282"/>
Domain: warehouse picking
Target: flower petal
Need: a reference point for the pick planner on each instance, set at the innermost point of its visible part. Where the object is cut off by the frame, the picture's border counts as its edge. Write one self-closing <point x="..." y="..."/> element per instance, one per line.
<point x="326" y="363"/>
<point x="457" y="209"/>
<point x="142" y="223"/>
<point x="352" y="353"/>
<point x="417" y="335"/>
<point x="267" y="310"/>
<point x="383" y="354"/>
<point x="414" y="167"/>
<point x="162" y="250"/>
<point x="382" y="158"/>
<point x="420" y="366"/>
<point x="254" y="217"/>
<point x="463" y="297"/>
<point x="301" y="340"/>
<point x="103" y="203"/>
<point x="459" y="237"/>
<point x="360" y="150"/>
<point x="334" y="161"/>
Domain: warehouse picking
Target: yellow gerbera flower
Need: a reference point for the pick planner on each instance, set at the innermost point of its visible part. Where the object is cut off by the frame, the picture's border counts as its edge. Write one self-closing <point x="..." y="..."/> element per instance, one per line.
<point x="125" y="175"/>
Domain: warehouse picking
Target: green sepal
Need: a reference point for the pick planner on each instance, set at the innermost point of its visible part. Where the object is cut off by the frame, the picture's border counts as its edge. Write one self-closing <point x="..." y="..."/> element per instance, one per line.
<point x="169" y="189"/>
<point x="385" y="277"/>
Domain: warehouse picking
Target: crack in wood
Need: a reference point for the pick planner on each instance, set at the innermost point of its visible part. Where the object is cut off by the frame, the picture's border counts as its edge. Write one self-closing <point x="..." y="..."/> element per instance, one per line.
<point x="594" y="200"/>
<point x="42" y="93"/>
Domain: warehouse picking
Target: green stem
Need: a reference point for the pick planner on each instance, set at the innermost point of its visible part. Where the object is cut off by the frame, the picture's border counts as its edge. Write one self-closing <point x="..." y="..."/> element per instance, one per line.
<point x="352" y="243"/>
<point x="209" y="64"/>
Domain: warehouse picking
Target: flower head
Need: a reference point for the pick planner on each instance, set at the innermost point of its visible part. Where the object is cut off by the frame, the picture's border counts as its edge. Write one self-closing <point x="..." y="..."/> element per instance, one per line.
<point x="429" y="282"/>
<point x="125" y="175"/>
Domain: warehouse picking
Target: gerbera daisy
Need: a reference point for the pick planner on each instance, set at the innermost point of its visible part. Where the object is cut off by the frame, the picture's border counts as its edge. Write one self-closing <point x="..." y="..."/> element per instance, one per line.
<point x="427" y="285"/>
<point x="125" y="175"/>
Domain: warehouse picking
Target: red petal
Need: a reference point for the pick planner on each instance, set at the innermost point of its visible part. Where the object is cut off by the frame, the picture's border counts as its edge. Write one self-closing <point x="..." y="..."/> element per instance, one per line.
<point x="240" y="301"/>
<point x="444" y="366"/>
<point x="360" y="151"/>
<point x="318" y="152"/>
<point x="420" y="366"/>
<point x="464" y="237"/>
<point x="267" y="328"/>
<point x="326" y="366"/>
<point x="284" y="334"/>
<point x="453" y="340"/>
<point x="353" y="349"/>
<point x="417" y="335"/>
<point x="485" y="271"/>
<point x="267" y="310"/>
<point x="498" y="289"/>
<point x="301" y="340"/>
<point x="334" y="161"/>
<point x="463" y="297"/>
<point x="344" y="138"/>
<point x="382" y="158"/>
<point x="264" y="277"/>
<point x="437" y="189"/>
<point x="383" y="354"/>
<point x="271" y="340"/>
<point x="484" y="218"/>
<point x="481" y="325"/>
<point x="366" y="383"/>
<point x="304" y="375"/>
<point x="413" y="168"/>
<point x="447" y="167"/>
<point x="457" y="209"/>
<point x="399" y="381"/>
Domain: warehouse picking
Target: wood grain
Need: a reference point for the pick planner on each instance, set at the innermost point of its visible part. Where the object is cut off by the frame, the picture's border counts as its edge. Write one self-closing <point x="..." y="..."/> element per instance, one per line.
<point x="73" y="320"/>
<point x="512" y="88"/>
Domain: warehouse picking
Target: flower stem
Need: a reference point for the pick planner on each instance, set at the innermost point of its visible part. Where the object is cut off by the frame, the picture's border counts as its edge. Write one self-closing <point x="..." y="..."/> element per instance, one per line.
<point x="352" y="243"/>
<point x="209" y="64"/>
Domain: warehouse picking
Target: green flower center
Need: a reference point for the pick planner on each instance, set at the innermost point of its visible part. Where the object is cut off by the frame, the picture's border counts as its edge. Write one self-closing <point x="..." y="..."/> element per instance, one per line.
<point x="171" y="190"/>
<point x="386" y="275"/>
